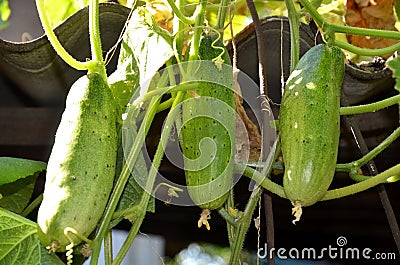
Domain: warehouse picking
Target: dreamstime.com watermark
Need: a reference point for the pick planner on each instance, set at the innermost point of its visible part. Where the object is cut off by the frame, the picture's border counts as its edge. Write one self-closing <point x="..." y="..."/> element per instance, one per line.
<point x="337" y="251"/>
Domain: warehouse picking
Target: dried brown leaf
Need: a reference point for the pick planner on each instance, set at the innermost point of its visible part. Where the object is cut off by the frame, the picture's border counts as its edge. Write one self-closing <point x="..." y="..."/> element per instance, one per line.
<point x="374" y="14"/>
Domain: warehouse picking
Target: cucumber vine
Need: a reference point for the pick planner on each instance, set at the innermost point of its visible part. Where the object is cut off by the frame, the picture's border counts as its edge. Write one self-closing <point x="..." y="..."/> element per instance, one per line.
<point x="238" y="222"/>
<point x="96" y="65"/>
<point x="327" y="27"/>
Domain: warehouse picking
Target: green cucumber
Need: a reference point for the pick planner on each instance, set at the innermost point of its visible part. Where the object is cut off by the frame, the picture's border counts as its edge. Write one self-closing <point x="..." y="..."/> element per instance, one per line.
<point x="208" y="186"/>
<point x="310" y="125"/>
<point x="81" y="167"/>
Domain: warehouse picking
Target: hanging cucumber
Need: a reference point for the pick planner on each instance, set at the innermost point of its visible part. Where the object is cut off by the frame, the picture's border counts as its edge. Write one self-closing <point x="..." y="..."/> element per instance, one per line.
<point x="208" y="124"/>
<point x="309" y="125"/>
<point x="81" y="167"/>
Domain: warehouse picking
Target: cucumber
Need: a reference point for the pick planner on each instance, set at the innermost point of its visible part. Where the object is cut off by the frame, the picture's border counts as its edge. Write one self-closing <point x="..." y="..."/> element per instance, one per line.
<point x="208" y="186"/>
<point x="310" y="125"/>
<point x="81" y="167"/>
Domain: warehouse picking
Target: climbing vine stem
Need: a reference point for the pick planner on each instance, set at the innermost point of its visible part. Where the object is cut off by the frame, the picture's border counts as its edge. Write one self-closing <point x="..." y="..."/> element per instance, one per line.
<point x="150" y="180"/>
<point x="94" y="31"/>
<point x="293" y="17"/>
<point x="178" y="13"/>
<point x="370" y="107"/>
<point x="124" y="175"/>
<point x="55" y="43"/>
<point x="328" y="27"/>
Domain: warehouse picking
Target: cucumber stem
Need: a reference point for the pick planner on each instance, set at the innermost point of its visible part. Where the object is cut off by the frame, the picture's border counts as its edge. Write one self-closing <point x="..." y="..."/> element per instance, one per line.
<point x="184" y="86"/>
<point x="35" y="203"/>
<point x="333" y="28"/>
<point x="326" y="26"/>
<point x="178" y="33"/>
<point x="244" y="225"/>
<point x="94" y="31"/>
<point x="150" y="180"/>
<point x="127" y="244"/>
<point x="365" y="51"/>
<point x="95" y="40"/>
<point x="60" y="50"/>
<point x="370" y="107"/>
<point x="126" y="213"/>
<point x="376" y="33"/>
<point x="221" y="16"/>
<point x="362" y="186"/>
<point x="198" y="30"/>
<point x="108" y="249"/>
<point x="344" y="167"/>
<point x="378" y="149"/>
<point x="231" y="228"/>
<point x="245" y="220"/>
<point x="165" y="105"/>
<point x="262" y="180"/>
<point x="353" y="166"/>
<point x="331" y="194"/>
<point x="293" y="17"/>
<point x="358" y="178"/>
<point x="178" y="13"/>
<point x="313" y="12"/>
<point x="227" y="217"/>
<point x="71" y="230"/>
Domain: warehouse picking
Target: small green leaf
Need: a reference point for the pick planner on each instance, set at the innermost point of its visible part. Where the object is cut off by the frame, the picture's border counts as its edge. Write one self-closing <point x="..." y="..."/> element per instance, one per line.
<point x="19" y="243"/>
<point x="394" y="64"/>
<point x="133" y="190"/>
<point x="62" y="9"/>
<point x="124" y="80"/>
<point x="57" y="13"/>
<point x="12" y="169"/>
<point x="147" y="43"/>
<point x="16" y="195"/>
<point x="145" y="48"/>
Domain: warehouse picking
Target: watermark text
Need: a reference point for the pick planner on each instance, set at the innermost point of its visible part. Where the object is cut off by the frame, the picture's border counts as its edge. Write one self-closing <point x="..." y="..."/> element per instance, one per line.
<point x="338" y="251"/>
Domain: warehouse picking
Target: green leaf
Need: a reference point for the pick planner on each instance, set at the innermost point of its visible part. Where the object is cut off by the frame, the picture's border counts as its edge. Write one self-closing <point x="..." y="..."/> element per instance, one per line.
<point x="4" y="13"/>
<point x="146" y="43"/>
<point x="18" y="240"/>
<point x="133" y="190"/>
<point x="394" y="64"/>
<point x="125" y="80"/>
<point x="12" y="169"/>
<point x="19" y="243"/>
<point x="16" y="195"/>
<point x="145" y="48"/>
<point x="58" y="11"/>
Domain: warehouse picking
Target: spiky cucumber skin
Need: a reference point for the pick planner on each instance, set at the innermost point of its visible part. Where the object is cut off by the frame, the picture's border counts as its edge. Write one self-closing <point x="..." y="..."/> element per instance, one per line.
<point x="81" y="167"/>
<point x="208" y="187"/>
<point x="310" y="124"/>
